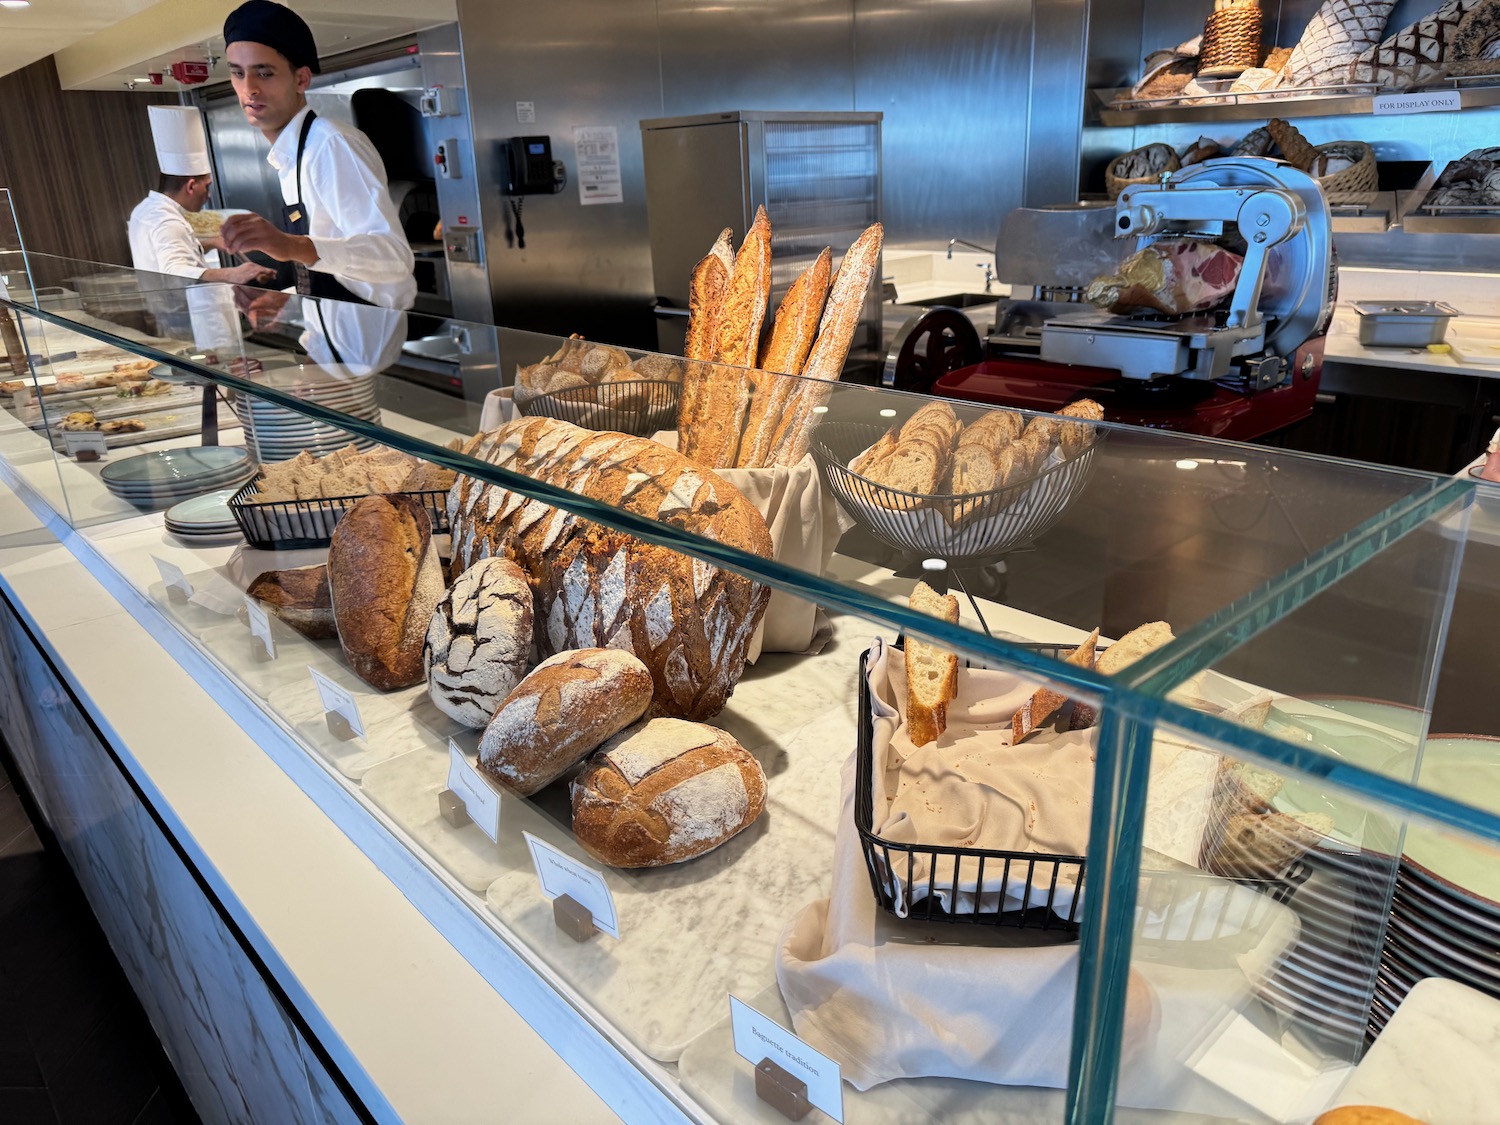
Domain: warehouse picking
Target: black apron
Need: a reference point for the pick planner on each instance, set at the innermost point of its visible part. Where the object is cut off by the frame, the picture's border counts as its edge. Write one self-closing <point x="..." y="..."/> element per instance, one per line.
<point x="313" y="283"/>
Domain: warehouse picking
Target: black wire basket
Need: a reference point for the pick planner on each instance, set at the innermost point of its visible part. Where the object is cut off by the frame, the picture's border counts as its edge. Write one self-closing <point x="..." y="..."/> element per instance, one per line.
<point x="954" y="527"/>
<point x="639" y="407"/>
<point x="288" y="525"/>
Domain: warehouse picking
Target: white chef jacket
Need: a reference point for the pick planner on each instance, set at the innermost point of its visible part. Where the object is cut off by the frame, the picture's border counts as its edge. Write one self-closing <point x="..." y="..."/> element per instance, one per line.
<point x="161" y="241"/>
<point x="351" y="220"/>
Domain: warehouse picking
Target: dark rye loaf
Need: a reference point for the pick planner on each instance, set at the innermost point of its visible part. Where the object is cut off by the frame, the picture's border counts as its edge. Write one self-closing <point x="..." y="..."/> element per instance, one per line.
<point x="687" y="620"/>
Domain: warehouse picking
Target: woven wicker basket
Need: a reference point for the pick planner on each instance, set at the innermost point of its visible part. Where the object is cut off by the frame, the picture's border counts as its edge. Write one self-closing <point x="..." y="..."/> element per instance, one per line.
<point x="1116" y="184"/>
<point x="1231" y="41"/>
<point x="1359" y="179"/>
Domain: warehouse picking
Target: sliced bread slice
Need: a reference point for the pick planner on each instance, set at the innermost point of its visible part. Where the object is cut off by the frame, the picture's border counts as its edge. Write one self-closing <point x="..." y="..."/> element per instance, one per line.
<point x="1045" y="703"/>
<point x="931" y="672"/>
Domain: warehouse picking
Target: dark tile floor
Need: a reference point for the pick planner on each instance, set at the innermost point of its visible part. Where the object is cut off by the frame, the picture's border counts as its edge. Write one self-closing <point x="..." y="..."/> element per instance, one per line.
<point x="75" y="1045"/>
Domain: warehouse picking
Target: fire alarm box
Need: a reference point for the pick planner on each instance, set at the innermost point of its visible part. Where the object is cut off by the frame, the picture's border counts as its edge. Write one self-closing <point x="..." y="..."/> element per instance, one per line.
<point x="189" y="73"/>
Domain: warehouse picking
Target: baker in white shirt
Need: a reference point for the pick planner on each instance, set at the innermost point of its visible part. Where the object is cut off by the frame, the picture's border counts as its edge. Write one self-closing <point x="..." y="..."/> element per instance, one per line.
<point x="338" y="228"/>
<point x="161" y="238"/>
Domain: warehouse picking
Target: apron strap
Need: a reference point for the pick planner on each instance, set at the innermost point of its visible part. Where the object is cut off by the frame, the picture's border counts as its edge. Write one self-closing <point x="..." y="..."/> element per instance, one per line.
<point x="301" y="147"/>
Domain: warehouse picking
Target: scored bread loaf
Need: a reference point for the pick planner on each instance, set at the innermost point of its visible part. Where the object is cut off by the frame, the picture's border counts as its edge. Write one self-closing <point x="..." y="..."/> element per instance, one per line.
<point x="931" y="673"/>
<point x="689" y="621"/>
<point x="479" y="641"/>
<point x="709" y="433"/>
<point x="300" y="598"/>
<point x="825" y="363"/>
<point x="384" y="580"/>
<point x="706" y="295"/>
<point x="792" y="337"/>
<point x="1044" y="703"/>
<point x="665" y="791"/>
<point x="556" y="715"/>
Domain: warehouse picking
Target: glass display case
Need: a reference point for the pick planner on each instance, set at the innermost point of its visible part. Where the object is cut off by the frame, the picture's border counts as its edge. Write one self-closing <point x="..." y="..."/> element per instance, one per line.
<point x="1200" y="876"/>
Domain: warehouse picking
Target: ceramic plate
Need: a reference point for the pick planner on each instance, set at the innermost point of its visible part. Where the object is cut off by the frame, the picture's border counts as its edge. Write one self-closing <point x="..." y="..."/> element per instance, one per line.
<point x="1480" y="956"/>
<point x="1442" y="903"/>
<point x="204" y="511"/>
<point x="1466" y="768"/>
<point x="171" y="466"/>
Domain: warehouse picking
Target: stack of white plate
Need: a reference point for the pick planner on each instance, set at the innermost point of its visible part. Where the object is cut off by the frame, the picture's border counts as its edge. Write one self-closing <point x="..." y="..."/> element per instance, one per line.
<point x="204" y="517"/>
<point x="167" y="476"/>
<point x="276" y="433"/>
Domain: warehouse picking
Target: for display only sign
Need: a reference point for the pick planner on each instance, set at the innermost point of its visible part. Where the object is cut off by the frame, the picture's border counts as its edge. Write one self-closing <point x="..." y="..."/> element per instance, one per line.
<point x="1433" y="101"/>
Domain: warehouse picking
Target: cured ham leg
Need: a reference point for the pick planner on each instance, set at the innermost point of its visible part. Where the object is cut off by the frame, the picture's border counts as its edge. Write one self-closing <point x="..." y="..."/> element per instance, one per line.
<point x="1171" y="276"/>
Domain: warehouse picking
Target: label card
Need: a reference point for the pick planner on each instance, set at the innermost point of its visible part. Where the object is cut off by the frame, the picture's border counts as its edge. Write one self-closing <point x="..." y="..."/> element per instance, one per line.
<point x="597" y="148"/>
<point x="480" y="798"/>
<point x="178" y="587"/>
<point x="756" y="1038"/>
<point x="338" y="701"/>
<point x="260" y="625"/>
<point x="560" y="874"/>
<point x="86" y="441"/>
<point x="1433" y="101"/>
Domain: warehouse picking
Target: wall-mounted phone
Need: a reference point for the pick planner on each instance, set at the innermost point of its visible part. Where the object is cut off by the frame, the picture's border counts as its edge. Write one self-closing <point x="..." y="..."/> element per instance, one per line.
<point x="529" y="167"/>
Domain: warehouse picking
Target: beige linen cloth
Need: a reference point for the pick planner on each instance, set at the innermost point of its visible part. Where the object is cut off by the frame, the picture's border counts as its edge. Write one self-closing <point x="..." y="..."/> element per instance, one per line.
<point x="886" y="1007"/>
<point x="805" y="524"/>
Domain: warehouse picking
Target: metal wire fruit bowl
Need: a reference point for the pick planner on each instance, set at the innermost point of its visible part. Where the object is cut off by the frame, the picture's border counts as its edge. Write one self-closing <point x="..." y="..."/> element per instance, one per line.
<point x="639" y="407"/>
<point x="954" y="527"/>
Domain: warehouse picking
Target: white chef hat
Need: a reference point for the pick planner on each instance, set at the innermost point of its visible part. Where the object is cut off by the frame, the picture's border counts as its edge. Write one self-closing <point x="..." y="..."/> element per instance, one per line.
<point x="181" y="144"/>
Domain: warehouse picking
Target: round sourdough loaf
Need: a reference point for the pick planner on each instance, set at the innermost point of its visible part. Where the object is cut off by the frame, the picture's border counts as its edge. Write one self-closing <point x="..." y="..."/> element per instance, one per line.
<point x="687" y="620"/>
<point x="384" y="579"/>
<point x="567" y="706"/>
<point x="665" y="791"/>
<point x="479" y="641"/>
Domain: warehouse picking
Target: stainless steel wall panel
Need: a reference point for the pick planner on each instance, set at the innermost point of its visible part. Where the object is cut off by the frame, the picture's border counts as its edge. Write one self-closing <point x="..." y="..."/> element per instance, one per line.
<point x="581" y="62"/>
<point x="756" y="54"/>
<point x="1053" y="140"/>
<point x="954" y="82"/>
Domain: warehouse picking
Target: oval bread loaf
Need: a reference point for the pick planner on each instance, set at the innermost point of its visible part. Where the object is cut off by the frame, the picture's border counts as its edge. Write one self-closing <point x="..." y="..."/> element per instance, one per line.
<point x="566" y="707"/>
<point x="385" y="580"/>
<point x="665" y="791"/>
<point x="688" y="621"/>
<point x="479" y="641"/>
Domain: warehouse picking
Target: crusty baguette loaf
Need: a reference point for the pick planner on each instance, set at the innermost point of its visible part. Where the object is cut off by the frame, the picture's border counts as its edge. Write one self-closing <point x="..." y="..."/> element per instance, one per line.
<point x="665" y="791"/>
<point x="931" y="672"/>
<point x="689" y="621"/>
<point x="479" y="641"/>
<point x="709" y="432"/>
<point x="825" y="363"/>
<point x="384" y="580"/>
<point x="1044" y="703"/>
<point x="559" y="713"/>
<point x="298" y="597"/>
<point x="792" y="336"/>
<point x="706" y="291"/>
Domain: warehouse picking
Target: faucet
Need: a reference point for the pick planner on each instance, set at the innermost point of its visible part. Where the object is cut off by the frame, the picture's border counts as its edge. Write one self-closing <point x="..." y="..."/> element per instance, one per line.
<point x="989" y="275"/>
<point x="966" y="242"/>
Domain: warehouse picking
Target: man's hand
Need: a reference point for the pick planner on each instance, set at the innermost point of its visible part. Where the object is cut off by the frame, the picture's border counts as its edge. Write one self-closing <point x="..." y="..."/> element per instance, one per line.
<point x="248" y="274"/>
<point x="261" y="308"/>
<point x="243" y="233"/>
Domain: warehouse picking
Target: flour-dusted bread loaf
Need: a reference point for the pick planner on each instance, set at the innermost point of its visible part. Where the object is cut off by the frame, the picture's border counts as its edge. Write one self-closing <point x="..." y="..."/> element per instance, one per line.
<point x="566" y="707"/>
<point x="385" y="580"/>
<point x="931" y="672"/>
<point x="300" y="598"/>
<point x="689" y="621"/>
<point x="479" y="641"/>
<point x="665" y="791"/>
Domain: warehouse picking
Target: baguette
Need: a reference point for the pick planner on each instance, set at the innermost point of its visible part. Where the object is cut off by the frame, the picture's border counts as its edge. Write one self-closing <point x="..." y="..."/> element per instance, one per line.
<point x="825" y="363"/>
<point x="1045" y="703"/>
<point x="792" y="337"/>
<point x="722" y="396"/>
<point x="931" y="673"/>
<point x="706" y="292"/>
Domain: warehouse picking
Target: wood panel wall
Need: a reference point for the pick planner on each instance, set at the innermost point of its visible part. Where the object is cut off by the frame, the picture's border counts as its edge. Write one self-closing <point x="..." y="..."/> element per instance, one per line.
<point x="76" y="162"/>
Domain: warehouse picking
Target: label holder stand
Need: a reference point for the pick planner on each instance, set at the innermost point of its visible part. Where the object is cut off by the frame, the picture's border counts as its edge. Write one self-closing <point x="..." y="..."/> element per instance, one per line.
<point x="781" y="1090"/>
<point x="573" y="918"/>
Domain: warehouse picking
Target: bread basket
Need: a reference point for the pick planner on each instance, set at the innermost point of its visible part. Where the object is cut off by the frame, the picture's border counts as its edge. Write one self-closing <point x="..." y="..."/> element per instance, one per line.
<point x="1361" y="178"/>
<point x="639" y="407"/>
<point x="1163" y="155"/>
<point x="955" y="527"/>
<point x="1231" y="39"/>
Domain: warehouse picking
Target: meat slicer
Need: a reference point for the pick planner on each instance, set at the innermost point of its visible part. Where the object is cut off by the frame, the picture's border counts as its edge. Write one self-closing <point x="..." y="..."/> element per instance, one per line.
<point x="1240" y="371"/>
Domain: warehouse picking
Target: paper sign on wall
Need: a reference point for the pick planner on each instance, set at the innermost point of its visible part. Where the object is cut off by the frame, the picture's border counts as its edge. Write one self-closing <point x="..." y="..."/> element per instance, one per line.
<point x="756" y="1037"/>
<point x="560" y="874"/>
<point x="1434" y="101"/>
<point x="481" y="799"/>
<point x="260" y="625"/>
<point x="337" y="700"/>
<point x="597" y="148"/>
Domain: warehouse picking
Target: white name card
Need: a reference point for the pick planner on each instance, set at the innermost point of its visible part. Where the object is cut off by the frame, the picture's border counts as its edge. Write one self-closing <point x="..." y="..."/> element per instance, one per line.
<point x="481" y="799"/>
<point x="1433" y="101"/>
<point x="560" y="874"/>
<point x="172" y="577"/>
<point x="337" y="700"/>
<point x="260" y="625"/>
<point x="757" y="1037"/>
<point x="84" y="441"/>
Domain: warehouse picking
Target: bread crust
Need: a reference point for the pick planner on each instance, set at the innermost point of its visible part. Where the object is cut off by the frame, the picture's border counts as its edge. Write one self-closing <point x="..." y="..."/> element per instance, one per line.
<point x="665" y="791"/>
<point x="300" y="598"/>
<point x="478" y="643"/>
<point x="927" y="699"/>
<point x="384" y="581"/>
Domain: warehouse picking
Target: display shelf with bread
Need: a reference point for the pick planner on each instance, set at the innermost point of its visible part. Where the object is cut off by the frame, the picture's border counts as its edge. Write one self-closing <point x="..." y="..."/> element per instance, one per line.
<point x="796" y="824"/>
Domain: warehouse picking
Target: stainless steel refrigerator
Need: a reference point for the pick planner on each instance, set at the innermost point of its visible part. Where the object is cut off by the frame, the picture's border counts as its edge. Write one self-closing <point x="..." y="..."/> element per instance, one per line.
<point x="817" y="174"/>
